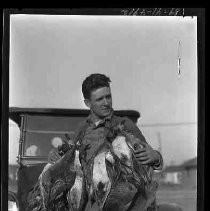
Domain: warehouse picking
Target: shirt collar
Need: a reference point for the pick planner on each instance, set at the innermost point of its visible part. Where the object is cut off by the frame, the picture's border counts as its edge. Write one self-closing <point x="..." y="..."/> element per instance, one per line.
<point x="91" y="120"/>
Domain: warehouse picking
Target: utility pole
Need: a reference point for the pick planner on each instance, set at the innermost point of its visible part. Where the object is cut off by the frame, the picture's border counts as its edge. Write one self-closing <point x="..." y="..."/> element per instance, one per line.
<point x="159" y="142"/>
<point x="179" y="58"/>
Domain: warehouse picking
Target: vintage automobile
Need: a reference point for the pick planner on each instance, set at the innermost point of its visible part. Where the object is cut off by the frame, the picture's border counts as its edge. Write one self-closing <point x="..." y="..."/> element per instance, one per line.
<point x="41" y="129"/>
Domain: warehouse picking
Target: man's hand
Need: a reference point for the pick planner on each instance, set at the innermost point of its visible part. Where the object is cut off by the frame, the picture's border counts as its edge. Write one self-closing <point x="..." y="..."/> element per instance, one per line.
<point x="147" y="155"/>
<point x="53" y="156"/>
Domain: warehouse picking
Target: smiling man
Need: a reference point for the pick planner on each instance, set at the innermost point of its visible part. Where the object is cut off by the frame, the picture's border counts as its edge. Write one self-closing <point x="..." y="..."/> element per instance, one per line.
<point x="93" y="133"/>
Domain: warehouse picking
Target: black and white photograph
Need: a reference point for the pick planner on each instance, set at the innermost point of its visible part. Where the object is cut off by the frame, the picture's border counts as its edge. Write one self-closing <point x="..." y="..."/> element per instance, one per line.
<point x="103" y="111"/>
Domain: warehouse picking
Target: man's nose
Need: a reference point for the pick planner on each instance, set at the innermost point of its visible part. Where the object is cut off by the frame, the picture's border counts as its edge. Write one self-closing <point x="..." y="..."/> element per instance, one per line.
<point x="105" y="101"/>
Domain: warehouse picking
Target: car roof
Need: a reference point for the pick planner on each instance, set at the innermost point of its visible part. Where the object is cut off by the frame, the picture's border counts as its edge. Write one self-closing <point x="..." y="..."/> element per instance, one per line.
<point x="16" y="112"/>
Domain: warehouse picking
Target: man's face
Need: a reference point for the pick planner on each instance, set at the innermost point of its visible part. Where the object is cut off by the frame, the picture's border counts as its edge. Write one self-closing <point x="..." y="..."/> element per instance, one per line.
<point x="100" y="102"/>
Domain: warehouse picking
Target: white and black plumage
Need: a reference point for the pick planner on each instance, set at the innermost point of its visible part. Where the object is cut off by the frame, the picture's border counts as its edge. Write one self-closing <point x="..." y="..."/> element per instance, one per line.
<point x="115" y="179"/>
<point x="60" y="186"/>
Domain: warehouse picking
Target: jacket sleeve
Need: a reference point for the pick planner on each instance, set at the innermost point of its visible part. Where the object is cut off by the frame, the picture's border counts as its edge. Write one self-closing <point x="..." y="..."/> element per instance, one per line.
<point x="159" y="164"/>
<point x="79" y="133"/>
<point x="130" y="126"/>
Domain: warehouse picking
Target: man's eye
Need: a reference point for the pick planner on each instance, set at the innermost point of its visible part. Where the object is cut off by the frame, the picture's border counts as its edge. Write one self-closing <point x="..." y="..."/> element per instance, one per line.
<point x="98" y="100"/>
<point x="108" y="97"/>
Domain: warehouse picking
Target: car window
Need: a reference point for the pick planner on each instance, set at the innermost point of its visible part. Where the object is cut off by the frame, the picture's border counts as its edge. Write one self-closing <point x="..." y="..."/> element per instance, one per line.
<point x="44" y="133"/>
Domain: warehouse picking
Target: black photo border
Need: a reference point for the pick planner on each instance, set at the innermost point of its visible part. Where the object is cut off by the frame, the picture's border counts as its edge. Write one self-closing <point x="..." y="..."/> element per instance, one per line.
<point x="199" y="12"/>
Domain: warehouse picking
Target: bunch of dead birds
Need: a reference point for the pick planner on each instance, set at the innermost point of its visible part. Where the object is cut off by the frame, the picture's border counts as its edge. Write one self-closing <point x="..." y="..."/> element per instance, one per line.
<point x="114" y="180"/>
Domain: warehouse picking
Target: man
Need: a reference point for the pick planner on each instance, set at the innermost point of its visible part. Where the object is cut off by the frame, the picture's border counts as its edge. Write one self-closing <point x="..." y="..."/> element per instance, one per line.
<point x="97" y="97"/>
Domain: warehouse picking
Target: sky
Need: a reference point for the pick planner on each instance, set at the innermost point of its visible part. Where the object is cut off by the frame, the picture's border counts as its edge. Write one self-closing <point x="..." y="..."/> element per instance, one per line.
<point x="51" y="55"/>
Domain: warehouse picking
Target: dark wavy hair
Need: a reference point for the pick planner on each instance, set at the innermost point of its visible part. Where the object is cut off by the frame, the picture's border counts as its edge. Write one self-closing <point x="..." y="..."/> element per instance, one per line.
<point x="93" y="82"/>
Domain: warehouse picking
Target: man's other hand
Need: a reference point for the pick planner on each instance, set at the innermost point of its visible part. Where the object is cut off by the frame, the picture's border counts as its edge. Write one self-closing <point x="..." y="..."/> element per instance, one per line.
<point x="146" y="155"/>
<point x="53" y="156"/>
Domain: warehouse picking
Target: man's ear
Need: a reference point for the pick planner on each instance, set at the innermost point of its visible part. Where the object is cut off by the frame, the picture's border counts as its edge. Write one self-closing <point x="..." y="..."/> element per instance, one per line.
<point x="87" y="103"/>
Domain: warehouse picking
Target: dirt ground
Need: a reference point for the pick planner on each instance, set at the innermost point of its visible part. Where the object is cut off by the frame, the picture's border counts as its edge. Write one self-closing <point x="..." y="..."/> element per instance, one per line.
<point x="185" y="198"/>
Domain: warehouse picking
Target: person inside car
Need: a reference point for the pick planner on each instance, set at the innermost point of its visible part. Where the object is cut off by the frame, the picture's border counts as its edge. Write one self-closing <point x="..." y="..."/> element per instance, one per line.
<point x="98" y="98"/>
<point x="33" y="150"/>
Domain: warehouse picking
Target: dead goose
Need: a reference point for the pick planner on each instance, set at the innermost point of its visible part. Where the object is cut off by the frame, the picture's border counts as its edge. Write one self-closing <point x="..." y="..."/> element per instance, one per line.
<point x="113" y="176"/>
<point x="60" y="186"/>
<point x="77" y="195"/>
<point x="100" y="181"/>
<point x="133" y="179"/>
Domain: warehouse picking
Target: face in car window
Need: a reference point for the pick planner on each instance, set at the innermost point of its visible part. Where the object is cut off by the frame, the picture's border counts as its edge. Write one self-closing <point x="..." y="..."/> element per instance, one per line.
<point x="33" y="150"/>
<point x="56" y="141"/>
